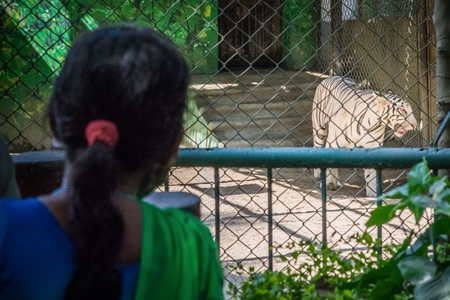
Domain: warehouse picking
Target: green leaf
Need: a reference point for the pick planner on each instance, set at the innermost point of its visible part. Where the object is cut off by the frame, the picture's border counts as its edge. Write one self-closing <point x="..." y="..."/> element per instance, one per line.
<point x="420" y="246"/>
<point x="383" y="289"/>
<point x="89" y="22"/>
<point x="417" y="269"/>
<point x="444" y="196"/>
<point x="443" y="209"/>
<point x="419" y="176"/>
<point x="417" y="211"/>
<point x="367" y="238"/>
<point x="397" y="193"/>
<point x="436" y="289"/>
<point x="441" y="226"/>
<point x="438" y="187"/>
<point x="381" y="215"/>
<point x="423" y="201"/>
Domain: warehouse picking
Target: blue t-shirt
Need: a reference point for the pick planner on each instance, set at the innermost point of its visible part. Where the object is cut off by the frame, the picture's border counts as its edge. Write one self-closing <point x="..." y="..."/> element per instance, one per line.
<point x="37" y="258"/>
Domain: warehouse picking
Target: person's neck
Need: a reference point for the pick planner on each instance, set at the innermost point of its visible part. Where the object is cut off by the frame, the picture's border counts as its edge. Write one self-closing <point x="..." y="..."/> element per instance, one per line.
<point x="129" y="185"/>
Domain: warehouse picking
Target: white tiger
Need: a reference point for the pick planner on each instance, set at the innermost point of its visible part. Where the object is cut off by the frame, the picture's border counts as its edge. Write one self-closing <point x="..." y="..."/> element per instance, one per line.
<point x="344" y="116"/>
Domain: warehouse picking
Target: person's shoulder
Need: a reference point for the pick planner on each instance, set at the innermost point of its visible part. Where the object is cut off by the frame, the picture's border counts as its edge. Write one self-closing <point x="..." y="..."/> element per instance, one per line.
<point x="7" y="203"/>
<point x="19" y="208"/>
<point x="173" y="208"/>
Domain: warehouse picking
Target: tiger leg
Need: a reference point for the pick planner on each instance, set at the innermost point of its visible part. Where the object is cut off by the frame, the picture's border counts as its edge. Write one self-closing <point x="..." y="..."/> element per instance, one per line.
<point x="371" y="182"/>
<point x="332" y="176"/>
<point x="317" y="174"/>
<point x="332" y="179"/>
<point x="319" y="142"/>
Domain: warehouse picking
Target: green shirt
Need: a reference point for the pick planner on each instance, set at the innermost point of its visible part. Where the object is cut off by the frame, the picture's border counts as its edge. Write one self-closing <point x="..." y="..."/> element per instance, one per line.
<point x="179" y="258"/>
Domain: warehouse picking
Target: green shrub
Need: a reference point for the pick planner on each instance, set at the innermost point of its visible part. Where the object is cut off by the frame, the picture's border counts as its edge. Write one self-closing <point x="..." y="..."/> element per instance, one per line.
<point x="411" y="270"/>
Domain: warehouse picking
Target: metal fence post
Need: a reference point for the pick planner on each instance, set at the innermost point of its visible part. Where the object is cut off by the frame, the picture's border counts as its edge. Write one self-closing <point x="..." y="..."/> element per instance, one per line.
<point x="379" y="203"/>
<point x="269" y="216"/>
<point x="323" y="182"/>
<point x="217" y="206"/>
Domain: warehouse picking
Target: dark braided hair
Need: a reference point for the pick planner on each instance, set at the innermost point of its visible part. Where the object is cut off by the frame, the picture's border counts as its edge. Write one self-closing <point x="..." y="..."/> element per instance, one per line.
<point x="136" y="79"/>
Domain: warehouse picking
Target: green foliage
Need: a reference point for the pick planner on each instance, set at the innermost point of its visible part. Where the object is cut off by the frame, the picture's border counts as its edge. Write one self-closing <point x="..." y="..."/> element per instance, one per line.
<point x="419" y="270"/>
<point x="323" y="277"/>
<point x="45" y="26"/>
<point x="197" y="132"/>
<point x="420" y="192"/>
<point x="39" y="34"/>
<point x="299" y="35"/>
<point x="190" y="23"/>
<point x="26" y="66"/>
<point x="271" y="285"/>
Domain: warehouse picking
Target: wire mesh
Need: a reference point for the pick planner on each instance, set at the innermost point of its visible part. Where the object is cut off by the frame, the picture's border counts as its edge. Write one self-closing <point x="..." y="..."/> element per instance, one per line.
<point x="261" y="207"/>
<point x="256" y="65"/>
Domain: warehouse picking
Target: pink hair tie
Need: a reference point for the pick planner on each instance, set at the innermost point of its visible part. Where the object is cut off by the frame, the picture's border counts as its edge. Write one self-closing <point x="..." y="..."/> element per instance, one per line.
<point x="103" y="131"/>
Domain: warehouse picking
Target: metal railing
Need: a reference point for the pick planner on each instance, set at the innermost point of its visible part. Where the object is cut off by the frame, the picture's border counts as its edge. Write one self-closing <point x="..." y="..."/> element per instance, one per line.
<point x="270" y="158"/>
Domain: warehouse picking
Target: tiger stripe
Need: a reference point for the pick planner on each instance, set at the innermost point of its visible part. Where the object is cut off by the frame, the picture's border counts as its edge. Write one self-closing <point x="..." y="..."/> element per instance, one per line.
<point x="345" y="116"/>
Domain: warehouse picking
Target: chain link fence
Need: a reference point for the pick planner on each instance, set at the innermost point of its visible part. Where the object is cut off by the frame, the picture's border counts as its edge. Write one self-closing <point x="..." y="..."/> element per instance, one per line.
<point x="256" y="65"/>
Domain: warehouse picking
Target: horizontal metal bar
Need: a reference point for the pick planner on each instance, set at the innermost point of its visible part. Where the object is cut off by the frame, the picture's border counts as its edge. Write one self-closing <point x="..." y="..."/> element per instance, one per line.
<point x="377" y="158"/>
<point x="39" y="157"/>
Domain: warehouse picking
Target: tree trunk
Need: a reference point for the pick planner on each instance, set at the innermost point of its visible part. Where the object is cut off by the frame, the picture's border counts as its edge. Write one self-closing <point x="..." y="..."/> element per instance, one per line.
<point x="442" y="25"/>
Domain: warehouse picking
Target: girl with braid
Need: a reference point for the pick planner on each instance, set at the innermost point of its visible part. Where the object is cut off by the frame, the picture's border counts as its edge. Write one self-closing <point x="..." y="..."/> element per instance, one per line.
<point x="117" y="107"/>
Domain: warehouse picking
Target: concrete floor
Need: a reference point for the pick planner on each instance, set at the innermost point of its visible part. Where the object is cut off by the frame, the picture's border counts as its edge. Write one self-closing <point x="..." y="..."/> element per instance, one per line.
<point x="258" y="108"/>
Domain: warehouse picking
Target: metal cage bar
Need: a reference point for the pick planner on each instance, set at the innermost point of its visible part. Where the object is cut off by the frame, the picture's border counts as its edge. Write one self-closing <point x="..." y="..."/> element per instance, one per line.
<point x="269" y="217"/>
<point x="269" y="158"/>
<point x="217" y="205"/>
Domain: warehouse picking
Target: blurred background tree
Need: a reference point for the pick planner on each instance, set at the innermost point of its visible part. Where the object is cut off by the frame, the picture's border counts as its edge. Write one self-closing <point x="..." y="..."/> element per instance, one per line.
<point x="36" y="36"/>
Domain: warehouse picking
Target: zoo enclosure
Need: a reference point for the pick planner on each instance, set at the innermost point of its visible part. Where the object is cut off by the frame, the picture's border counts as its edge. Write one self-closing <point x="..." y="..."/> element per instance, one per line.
<point x="255" y="66"/>
<point x="255" y="63"/>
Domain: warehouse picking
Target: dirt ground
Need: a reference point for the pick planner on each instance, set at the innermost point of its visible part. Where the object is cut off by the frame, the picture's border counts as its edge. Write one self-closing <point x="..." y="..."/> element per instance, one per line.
<point x="297" y="212"/>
